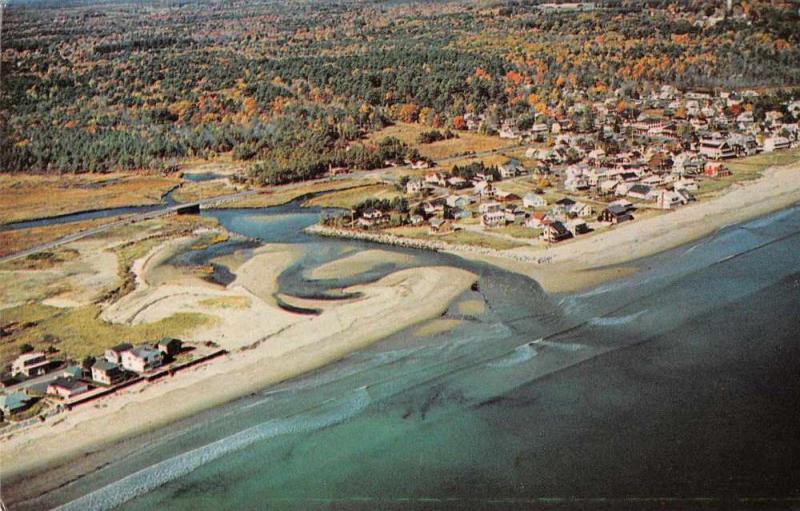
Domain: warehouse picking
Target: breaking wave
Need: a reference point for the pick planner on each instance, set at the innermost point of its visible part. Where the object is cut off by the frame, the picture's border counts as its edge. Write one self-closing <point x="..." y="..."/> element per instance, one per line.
<point x="519" y="355"/>
<point x="150" y="478"/>
<point x="561" y="346"/>
<point x="616" y="320"/>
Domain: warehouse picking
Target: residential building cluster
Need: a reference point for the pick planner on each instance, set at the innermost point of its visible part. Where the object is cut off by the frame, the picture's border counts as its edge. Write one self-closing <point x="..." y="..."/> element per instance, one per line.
<point x="598" y="163"/>
<point x="35" y="375"/>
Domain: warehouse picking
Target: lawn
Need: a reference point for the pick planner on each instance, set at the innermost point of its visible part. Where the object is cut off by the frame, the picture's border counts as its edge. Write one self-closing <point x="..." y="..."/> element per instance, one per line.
<point x="519" y="231"/>
<point x="25" y="197"/>
<point x="465" y="142"/>
<point x="194" y="191"/>
<point x="745" y="169"/>
<point x="479" y="240"/>
<point x="350" y="197"/>
<point x="283" y="194"/>
<point x="21" y="239"/>
<point x="460" y="237"/>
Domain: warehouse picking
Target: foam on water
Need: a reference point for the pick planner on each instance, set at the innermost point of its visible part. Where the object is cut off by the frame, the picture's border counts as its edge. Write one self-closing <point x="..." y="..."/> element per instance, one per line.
<point x="615" y="320"/>
<point x="373" y="362"/>
<point x="561" y="346"/>
<point x="519" y="355"/>
<point x="150" y="478"/>
<point x="769" y="219"/>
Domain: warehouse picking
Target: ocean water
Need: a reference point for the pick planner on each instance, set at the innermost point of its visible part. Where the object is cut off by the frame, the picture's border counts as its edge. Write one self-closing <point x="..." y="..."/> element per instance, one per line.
<point x="673" y="388"/>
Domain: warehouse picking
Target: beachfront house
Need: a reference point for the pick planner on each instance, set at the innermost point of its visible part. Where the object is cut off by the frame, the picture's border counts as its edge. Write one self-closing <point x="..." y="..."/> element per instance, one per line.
<point x="578" y="226"/>
<point x="537" y="219"/>
<point x="66" y="387"/>
<point x="440" y="226"/>
<point x="493" y="218"/>
<point x="555" y="232"/>
<point x="775" y="144"/>
<point x="373" y="217"/>
<point x="169" y="346"/>
<point x="30" y="364"/>
<point x="514" y="214"/>
<point x="114" y="353"/>
<point x="614" y="214"/>
<point x="641" y="192"/>
<point x="14" y="402"/>
<point x="142" y="358"/>
<point x="669" y="199"/>
<point x="106" y="372"/>
<point x="716" y="149"/>
<point x="714" y="169"/>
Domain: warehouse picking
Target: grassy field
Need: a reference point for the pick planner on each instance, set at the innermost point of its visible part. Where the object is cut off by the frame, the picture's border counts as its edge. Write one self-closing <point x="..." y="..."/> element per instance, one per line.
<point x="457" y="237"/>
<point x="519" y="231"/>
<point x="25" y="197"/>
<point x="350" y="197"/>
<point x="21" y="239"/>
<point x="466" y="141"/>
<point x="42" y="260"/>
<point x="226" y="302"/>
<point x="745" y="169"/>
<point x="284" y="194"/>
<point x="194" y="191"/>
<point x="79" y="332"/>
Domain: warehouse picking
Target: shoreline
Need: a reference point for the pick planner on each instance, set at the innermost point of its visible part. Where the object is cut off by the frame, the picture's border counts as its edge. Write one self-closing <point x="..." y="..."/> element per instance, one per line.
<point x="50" y="454"/>
<point x="586" y="262"/>
<point x="68" y="446"/>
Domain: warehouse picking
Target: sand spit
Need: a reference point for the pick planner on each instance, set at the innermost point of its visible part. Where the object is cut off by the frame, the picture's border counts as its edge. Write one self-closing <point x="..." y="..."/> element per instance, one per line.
<point x="355" y="264"/>
<point x="279" y="345"/>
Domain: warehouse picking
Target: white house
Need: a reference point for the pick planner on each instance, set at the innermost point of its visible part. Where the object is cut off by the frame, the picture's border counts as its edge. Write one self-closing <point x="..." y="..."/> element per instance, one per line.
<point x="106" y="372"/>
<point x="532" y="200"/>
<point x="414" y="186"/>
<point x="30" y="364"/>
<point x="142" y="358"/>
<point x="511" y="168"/>
<point x="493" y="218"/>
<point x="668" y="200"/>
<point x="775" y="144"/>
<point x="580" y="209"/>
<point x="114" y="353"/>
<point x="457" y="201"/>
<point x="716" y="149"/>
<point x="489" y="207"/>
<point x="685" y="184"/>
<point x="484" y="189"/>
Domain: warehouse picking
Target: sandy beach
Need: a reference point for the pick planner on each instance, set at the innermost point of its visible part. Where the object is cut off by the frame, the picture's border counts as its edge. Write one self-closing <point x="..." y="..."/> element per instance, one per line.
<point x="574" y="265"/>
<point x="277" y="345"/>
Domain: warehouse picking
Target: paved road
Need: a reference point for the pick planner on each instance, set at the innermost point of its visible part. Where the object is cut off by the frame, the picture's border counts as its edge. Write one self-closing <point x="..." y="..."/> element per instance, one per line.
<point x="124" y="221"/>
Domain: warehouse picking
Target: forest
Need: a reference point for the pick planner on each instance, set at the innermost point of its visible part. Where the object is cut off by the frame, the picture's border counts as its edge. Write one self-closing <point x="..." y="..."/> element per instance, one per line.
<point x="294" y="87"/>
